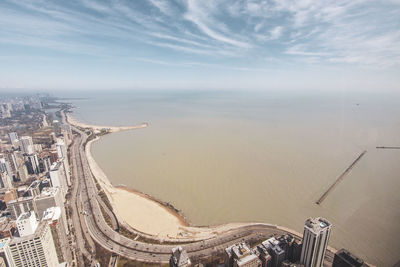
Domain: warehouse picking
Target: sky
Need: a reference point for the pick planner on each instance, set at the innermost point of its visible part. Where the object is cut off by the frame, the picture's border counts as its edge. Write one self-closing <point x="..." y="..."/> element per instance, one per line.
<point x="216" y="44"/>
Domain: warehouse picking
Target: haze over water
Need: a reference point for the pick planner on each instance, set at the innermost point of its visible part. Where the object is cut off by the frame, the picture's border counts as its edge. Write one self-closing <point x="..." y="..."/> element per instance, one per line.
<point x="233" y="156"/>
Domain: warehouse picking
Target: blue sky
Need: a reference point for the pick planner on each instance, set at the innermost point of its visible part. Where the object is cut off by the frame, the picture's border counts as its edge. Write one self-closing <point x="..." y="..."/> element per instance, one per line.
<point x="88" y="44"/>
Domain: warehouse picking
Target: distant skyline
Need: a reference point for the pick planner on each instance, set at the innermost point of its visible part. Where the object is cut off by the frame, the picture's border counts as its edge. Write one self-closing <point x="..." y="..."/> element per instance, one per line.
<point x="200" y="44"/>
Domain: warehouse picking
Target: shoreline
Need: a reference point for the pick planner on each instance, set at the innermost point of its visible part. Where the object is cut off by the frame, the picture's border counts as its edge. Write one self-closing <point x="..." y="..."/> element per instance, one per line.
<point x="142" y="213"/>
<point x="181" y="230"/>
<point x="178" y="228"/>
<point x="110" y="129"/>
<point x="151" y="217"/>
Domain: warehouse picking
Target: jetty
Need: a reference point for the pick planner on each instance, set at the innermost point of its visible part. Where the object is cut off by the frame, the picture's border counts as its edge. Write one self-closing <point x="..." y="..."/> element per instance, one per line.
<point x="340" y="178"/>
<point x="388" y="147"/>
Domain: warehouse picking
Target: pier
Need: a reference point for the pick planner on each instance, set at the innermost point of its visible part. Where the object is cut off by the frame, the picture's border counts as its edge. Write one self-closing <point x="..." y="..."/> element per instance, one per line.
<point x="388" y="147"/>
<point x="340" y="178"/>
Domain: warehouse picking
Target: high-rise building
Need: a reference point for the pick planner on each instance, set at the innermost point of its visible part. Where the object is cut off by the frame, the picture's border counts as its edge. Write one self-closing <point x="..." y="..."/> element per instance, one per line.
<point x="12" y="161"/>
<point x="278" y="255"/>
<point x="45" y="162"/>
<point x="19" y="206"/>
<point x="5" y="181"/>
<point x="27" y="224"/>
<point x="315" y="241"/>
<point x="23" y="172"/>
<point x="13" y="137"/>
<point x="262" y="253"/>
<point x="58" y="177"/>
<point x="34" y="250"/>
<point x="5" y="253"/>
<point x="26" y="145"/>
<point x="50" y="197"/>
<point x="33" y="164"/>
<point x="56" y="126"/>
<point x="53" y="216"/>
<point x="344" y="258"/>
<point x="5" y="165"/>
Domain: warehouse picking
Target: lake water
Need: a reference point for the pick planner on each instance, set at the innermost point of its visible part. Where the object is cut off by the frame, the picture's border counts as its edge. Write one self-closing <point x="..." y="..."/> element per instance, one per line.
<point x="229" y="156"/>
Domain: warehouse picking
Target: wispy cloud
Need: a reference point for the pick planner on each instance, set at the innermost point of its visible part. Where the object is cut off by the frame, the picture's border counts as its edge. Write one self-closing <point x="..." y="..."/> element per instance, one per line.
<point x="309" y="32"/>
<point x="197" y="14"/>
<point x="163" y="6"/>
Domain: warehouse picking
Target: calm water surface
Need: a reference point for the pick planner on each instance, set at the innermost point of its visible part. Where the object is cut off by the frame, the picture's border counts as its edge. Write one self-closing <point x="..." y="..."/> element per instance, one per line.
<point x="261" y="156"/>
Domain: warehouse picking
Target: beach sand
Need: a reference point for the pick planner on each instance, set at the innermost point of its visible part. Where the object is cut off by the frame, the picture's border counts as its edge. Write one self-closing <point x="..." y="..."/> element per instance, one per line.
<point x="111" y="129"/>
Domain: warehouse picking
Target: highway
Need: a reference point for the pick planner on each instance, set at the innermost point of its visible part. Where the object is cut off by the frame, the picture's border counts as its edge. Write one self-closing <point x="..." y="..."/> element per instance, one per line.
<point x="115" y="242"/>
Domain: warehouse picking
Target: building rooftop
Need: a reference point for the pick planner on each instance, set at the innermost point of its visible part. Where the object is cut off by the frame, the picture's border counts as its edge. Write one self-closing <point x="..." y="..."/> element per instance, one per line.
<point x="270" y="242"/>
<point x="52" y="214"/>
<point x="317" y="224"/>
<point x="48" y="191"/>
<point x="245" y="260"/>
<point x="55" y="166"/>
<point x="24" y="216"/>
<point x="38" y="232"/>
<point x="240" y="250"/>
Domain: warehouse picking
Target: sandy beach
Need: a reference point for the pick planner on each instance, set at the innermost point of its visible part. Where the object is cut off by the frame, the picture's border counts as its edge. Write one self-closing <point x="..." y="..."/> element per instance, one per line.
<point x="142" y="212"/>
<point x="150" y="216"/>
<point x="111" y="129"/>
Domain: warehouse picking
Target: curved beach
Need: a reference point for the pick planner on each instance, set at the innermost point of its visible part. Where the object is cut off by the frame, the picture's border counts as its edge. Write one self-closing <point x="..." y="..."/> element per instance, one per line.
<point x="141" y="212"/>
<point x="144" y="214"/>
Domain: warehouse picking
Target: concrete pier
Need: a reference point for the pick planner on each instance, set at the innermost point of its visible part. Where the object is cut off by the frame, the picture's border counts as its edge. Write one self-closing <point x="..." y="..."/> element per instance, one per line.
<point x="340" y="178"/>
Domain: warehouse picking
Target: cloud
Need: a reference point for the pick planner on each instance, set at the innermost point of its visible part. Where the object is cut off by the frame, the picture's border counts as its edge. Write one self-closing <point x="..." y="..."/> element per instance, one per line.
<point x="197" y="14"/>
<point x="300" y="50"/>
<point x="334" y="32"/>
<point x="163" y="6"/>
<point x="276" y="32"/>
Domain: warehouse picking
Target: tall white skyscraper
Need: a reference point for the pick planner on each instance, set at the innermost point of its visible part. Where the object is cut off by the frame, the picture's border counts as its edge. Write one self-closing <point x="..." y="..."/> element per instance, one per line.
<point x="315" y="241"/>
<point x="34" y="250"/>
<point x="27" y="224"/>
<point x="58" y="177"/>
<point x="13" y="137"/>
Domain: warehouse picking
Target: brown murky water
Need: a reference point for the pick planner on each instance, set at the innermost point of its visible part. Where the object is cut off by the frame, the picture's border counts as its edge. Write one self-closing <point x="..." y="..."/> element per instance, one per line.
<point x="267" y="159"/>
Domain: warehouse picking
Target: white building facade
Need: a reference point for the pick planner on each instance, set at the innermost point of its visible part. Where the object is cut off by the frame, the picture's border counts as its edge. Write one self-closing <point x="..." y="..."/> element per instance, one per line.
<point x="315" y="241"/>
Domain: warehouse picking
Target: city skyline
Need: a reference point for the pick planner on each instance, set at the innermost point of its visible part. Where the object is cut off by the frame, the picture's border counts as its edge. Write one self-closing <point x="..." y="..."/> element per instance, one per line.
<point x="192" y="44"/>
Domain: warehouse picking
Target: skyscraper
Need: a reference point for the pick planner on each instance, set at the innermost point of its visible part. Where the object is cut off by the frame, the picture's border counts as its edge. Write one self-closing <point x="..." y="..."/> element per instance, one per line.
<point x="36" y="249"/>
<point x="26" y="145"/>
<point x="13" y="137"/>
<point x="315" y="241"/>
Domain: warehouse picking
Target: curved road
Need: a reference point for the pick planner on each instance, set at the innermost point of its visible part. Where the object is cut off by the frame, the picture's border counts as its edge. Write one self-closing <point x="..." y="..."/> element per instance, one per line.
<point x="113" y="241"/>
